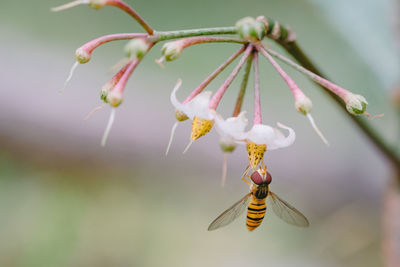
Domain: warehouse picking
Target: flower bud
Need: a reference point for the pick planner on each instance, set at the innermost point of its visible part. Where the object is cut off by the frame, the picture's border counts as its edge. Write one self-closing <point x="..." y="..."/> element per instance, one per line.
<point x="114" y="98"/>
<point x="180" y="116"/>
<point x="355" y="104"/>
<point x="250" y="29"/>
<point x="227" y="146"/>
<point x="104" y="91"/>
<point x="97" y="4"/>
<point x="171" y="50"/>
<point x="303" y="104"/>
<point x="82" y="56"/>
<point x="136" y="48"/>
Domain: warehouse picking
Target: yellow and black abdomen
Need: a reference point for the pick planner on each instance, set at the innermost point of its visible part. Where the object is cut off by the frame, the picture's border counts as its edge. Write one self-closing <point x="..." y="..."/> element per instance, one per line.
<point x="255" y="213"/>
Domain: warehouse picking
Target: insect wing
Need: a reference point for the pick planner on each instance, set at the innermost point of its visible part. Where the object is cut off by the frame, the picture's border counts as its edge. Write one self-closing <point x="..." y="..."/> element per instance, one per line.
<point x="287" y="212"/>
<point x="230" y="214"/>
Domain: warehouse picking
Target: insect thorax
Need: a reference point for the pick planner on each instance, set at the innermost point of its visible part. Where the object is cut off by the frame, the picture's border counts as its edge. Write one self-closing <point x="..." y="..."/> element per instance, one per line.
<point x="261" y="191"/>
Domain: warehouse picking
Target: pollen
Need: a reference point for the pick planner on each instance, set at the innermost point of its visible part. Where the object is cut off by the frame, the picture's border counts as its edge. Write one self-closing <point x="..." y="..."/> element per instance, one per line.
<point x="256" y="153"/>
<point x="200" y="127"/>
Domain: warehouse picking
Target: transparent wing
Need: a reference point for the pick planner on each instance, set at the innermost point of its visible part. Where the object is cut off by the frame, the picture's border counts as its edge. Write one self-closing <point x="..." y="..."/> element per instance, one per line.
<point x="230" y="214"/>
<point x="287" y="212"/>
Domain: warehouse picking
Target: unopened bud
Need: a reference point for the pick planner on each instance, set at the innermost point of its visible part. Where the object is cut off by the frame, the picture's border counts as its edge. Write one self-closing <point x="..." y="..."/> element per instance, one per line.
<point x="355" y="104"/>
<point x="250" y="29"/>
<point x="105" y="91"/>
<point x="227" y="146"/>
<point x="303" y="104"/>
<point x="171" y="50"/>
<point x="82" y="56"/>
<point x="180" y="116"/>
<point x="136" y="48"/>
<point x="97" y="4"/>
<point x="114" y="98"/>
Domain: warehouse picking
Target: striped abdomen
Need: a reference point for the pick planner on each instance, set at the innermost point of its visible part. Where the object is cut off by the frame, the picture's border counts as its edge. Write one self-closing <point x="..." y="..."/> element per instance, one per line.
<point x="255" y="213"/>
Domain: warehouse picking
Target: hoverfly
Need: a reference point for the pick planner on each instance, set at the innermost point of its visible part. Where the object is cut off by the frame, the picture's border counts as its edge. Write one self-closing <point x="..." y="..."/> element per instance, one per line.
<point x="256" y="206"/>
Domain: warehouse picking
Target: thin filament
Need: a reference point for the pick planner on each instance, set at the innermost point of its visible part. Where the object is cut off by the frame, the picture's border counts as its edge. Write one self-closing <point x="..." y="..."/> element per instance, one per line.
<point x="224" y="169"/>
<point x="93" y="111"/>
<point x="310" y="118"/>
<point x="374" y="116"/>
<point x="171" y="137"/>
<point x="71" y="72"/>
<point x="108" y="128"/>
<point x="160" y="62"/>
<point x="187" y="147"/>
<point x="69" y="5"/>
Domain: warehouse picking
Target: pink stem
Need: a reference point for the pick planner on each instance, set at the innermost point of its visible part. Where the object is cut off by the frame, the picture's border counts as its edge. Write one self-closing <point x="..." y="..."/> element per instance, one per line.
<point x="125" y="76"/>
<point x="220" y="92"/>
<point x="212" y="76"/>
<point x="125" y="7"/>
<point x="90" y="46"/>
<point x="296" y="91"/>
<point x="336" y="89"/>
<point x="257" y="100"/>
<point x="115" y="79"/>
<point x="120" y="86"/>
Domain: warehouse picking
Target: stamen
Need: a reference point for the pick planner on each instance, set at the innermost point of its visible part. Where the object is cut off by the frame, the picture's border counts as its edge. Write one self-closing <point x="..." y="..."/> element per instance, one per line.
<point x="256" y="153"/>
<point x="160" y="62"/>
<point x="69" y="5"/>
<point x="108" y="128"/>
<point x="71" y="72"/>
<point x="374" y="116"/>
<point x="93" y="111"/>
<point x="224" y="169"/>
<point x="187" y="147"/>
<point x="171" y="137"/>
<point x="316" y="129"/>
<point x="200" y="127"/>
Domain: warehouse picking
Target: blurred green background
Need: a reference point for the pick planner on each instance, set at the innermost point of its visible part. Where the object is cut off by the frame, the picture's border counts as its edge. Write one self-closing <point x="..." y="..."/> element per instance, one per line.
<point x="65" y="201"/>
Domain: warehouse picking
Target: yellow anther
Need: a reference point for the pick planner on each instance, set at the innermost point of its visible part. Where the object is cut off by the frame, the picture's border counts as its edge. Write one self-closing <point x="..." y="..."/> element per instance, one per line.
<point x="180" y="116"/>
<point x="256" y="153"/>
<point x="200" y="127"/>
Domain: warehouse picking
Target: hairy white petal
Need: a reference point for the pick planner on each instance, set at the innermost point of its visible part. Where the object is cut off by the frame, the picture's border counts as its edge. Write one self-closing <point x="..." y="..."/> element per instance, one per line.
<point x="171" y="137"/>
<point x="108" y="128"/>
<point x="316" y="129"/>
<point x="71" y="72"/>
<point x="69" y="5"/>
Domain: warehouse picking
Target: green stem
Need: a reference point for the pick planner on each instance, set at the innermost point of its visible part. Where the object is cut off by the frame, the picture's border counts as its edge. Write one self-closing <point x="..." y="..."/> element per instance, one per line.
<point x="377" y="139"/>
<point x="243" y="86"/>
<point x="162" y="36"/>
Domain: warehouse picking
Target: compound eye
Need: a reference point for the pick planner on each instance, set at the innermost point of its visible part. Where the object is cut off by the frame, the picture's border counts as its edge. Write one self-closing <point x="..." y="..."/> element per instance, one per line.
<point x="268" y="178"/>
<point x="256" y="178"/>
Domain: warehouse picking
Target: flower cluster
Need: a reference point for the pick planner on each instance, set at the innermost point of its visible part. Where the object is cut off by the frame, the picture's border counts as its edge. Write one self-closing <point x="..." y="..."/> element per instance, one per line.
<point x="201" y="106"/>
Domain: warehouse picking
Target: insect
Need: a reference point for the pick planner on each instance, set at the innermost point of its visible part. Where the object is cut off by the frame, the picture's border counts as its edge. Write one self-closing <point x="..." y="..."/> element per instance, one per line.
<point x="255" y="201"/>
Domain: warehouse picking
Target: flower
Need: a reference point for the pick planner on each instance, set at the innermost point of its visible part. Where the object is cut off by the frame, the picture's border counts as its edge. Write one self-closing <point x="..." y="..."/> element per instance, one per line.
<point x="258" y="140"/>
<point x="197" y="109"/>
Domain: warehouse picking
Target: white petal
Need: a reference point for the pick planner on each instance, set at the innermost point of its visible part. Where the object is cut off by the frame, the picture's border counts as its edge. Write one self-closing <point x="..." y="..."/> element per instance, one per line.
<point x="272" y="137"/>
<point x="198" y="106"/>
<point x="173" y="98"/>
<point x="284" y="141"/>
<point x="232" y="128"/>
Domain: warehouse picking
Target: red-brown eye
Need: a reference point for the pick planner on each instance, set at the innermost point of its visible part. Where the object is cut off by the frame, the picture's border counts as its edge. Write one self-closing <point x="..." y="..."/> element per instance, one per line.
<point x="268" y="178"/>
<point x="256" y="178"/>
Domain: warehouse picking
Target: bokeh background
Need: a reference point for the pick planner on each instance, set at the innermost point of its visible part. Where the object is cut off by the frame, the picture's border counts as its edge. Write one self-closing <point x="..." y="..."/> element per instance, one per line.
<point x="66" y="201"/>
